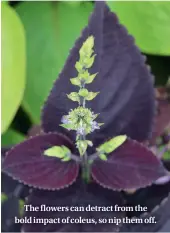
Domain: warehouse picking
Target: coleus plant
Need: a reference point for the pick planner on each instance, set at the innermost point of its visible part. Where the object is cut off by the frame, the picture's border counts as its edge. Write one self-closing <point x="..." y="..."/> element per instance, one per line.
<point x="77" y="158"/>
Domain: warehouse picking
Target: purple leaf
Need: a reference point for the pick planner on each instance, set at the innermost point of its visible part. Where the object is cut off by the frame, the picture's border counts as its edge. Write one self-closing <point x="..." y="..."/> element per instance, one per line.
<point x="157" y="200"/>
<point x="34" y="130"/>
<point x="126" y="99"/>
<point x="10" y="186"/>
<point x="27" y="163"/>
<point x="160" y="213"/>
<point x="4" y="150"/>
<point x="8" y="217"/>
<point x="130" y="166"/>
<point x="75" y="195"/>
<point x="57" y="102"/>
<point x="162" y="120"/>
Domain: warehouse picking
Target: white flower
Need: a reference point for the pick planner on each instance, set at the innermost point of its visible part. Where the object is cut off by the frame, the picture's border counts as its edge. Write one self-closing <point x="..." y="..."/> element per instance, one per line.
<point x="94" y="125"/>
<point x="81" y="130"/>
<point x="65" y="119"/>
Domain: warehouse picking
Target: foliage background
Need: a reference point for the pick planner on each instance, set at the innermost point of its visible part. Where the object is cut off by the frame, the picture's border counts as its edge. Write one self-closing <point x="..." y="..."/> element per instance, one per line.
<point x="37" y="37"/>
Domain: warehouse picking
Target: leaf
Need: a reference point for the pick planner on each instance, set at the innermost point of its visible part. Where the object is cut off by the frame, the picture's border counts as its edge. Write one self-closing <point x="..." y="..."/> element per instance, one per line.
<point x="74" y="96"/>
<point x="90" y="143"/>
<point x="167" y="155"/>
<point x="48" y="43"/>
<point x="3" y="197"/>
<point x="57" y="151"/>
<point x="112" y="144"/>
<point x="131" y="166"/>
<point x="128" y="107"/>
<point x="27" y="163"/>
<point x="8" y="217"/>
<point x="89" y="62"/>
<point x="79" y="67"/>
<point x="87" y="47"/>
<point x="82" y="146"/>
<point x="103" y="157"/>
<point x="34" y="130"/>
<point x="154" y="20"/>
<point x="83" y="92"/>
<point x="91" y="95"/>
<point x="13" y="65"/>
<point x="67" y="126"/>
<point x="8" y="185"/>
<point x="11" y="137"/>
<point x="66" y="159"/>
<point x="66" y="150"/>
<point x="75" y="81"/>
<point x="152" y="196"/>
<point x="90" y="78"/>
<point x="74" y="195"/>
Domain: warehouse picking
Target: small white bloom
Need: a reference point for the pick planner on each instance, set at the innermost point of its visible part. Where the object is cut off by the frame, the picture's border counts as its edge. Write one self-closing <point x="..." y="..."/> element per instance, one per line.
<point x="65" y="120"/>
<point x="94" y="125"/>
<point x="81" y="130"/>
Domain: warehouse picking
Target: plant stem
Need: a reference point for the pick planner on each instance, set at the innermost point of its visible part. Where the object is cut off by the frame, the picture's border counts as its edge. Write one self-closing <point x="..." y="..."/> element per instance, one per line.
<point x="85" y="165"/>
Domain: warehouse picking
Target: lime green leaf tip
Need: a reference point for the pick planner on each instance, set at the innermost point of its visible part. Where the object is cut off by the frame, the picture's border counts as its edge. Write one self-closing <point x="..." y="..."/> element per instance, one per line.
<point x="83" y="92"/>
<point x="112" y="144"/>
<point x="103" y="157"/>
<point x="57" y="151"/>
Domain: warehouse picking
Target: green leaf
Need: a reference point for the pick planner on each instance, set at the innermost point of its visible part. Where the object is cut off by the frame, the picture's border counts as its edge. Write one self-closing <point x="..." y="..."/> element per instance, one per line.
<point x="90" y="143"/>
<point x="84" y="75"/>
<point x="57" y="151"/>
<point x="112" y="144"/>
<point x="67" y="126"/>
<point x="3" y="197"/>
<point x="100" y="124"/>
<point x="90" y="78"/>
<point x="11" y="137"/>
<point x="74" y="96"/>
<point x="91" y="95"/>
<point x="79" y="67"/>
<point x="75" y="81"/>
<point x="166" y="155"/>
<point x="103" y="157"/>
<point x="83" y="92"/>
<point x="87" y="48"/>
<point x="48" y="43"/>
<point x="13" y="65"/>
<point x="66" y="159"/>
<point x="95" y="116"/>
<point x="89" y="61"/>
<point x="66" y="150"/>
<point x="152" y="36"/>
<point x="82" y="146"/>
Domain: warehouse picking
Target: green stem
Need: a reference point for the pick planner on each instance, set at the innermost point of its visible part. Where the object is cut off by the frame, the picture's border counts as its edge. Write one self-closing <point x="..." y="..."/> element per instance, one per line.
<point x="85" y="165"/>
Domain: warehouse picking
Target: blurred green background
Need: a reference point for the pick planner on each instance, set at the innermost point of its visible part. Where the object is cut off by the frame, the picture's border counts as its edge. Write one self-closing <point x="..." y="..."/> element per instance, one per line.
<point x="37" y="37"/>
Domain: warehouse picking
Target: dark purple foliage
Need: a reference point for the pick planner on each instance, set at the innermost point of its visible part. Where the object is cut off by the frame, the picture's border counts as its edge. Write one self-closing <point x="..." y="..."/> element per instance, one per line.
<point x="10" y="209"/>
<point x="9" y="186"/>
<point x="27" y="163"/>
<point x="34" y="130"/>
<point x="131" y="166"/>
<point x="157" y="200"/>
<point x="76" y="195"/>
<point x="126" y="106"/>
<point x="126" y="99"/>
